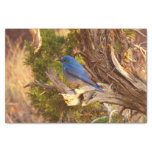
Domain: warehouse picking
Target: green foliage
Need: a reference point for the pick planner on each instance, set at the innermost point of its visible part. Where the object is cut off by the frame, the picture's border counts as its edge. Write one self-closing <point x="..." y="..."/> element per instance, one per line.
<point x="117" y="46"/>
<point x="71" y="41"/>
<point x="51" y="49"/>
<point x="129" y="33"/>
<point x="49" y="103"/>
<point x="79" y="58"/>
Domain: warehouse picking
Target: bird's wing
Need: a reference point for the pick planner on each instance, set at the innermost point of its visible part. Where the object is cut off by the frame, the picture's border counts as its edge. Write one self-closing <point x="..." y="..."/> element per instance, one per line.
<point x="81" y="74"/>
<point x="78" y="72"/>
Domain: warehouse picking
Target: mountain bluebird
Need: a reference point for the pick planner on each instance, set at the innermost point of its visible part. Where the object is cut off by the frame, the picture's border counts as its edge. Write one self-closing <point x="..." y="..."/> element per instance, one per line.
<point x="75" y="73"/>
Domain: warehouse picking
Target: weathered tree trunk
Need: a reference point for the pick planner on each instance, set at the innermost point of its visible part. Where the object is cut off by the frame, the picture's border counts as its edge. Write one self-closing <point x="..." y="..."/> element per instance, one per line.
<point x="123" y="80"/>
<point x="127" y="87"/>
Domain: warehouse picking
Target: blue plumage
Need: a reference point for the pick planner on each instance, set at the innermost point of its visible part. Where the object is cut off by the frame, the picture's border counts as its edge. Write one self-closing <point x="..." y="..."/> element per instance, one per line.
<point x="75" y="73"/>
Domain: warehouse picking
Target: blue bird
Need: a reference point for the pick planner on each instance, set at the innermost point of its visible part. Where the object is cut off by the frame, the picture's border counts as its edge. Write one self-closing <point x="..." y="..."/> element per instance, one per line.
<point x="75" y="73"/>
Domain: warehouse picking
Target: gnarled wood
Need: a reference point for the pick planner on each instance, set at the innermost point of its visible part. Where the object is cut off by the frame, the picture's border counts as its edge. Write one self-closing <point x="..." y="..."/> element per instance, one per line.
<point x="98" y="50"/>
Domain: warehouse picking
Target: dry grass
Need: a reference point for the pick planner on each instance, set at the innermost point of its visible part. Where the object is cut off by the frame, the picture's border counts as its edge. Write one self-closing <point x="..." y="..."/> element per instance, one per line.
<point x="17" y="75"/>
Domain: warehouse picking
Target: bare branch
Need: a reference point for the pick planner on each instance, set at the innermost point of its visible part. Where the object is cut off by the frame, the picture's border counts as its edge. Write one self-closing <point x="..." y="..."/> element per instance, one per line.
<point x="100" y="118"/>
<point x="111" y="114"/>
<point x="136" y="82"/>
<point x="87" y="94"/>
<point x="139" y="32"/>
<point x="120" y="113"/>
<point x="57" y="82"/>
<point x="36" y="83"/>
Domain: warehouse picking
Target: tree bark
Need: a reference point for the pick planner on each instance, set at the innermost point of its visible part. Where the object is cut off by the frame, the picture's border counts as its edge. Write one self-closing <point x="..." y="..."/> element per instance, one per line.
<point x="97" y="46"/>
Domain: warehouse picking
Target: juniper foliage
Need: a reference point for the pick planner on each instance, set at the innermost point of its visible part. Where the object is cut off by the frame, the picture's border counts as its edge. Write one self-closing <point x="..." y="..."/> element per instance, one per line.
<point x="49" y="103"/>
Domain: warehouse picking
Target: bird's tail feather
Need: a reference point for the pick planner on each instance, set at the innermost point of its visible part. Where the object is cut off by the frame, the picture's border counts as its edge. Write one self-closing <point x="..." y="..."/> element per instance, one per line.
<point x="97" y="88"/>
<point x="88" y="82"/>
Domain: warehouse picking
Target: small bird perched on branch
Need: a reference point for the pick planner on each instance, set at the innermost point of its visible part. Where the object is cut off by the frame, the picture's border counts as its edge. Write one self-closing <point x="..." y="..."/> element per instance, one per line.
<point x="75" y="73"/>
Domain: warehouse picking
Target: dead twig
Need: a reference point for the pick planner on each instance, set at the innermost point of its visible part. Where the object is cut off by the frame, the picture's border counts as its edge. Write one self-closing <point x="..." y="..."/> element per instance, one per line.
<point x="36" y="83"/>
<point x="100" y="118"/>
<point x="57" y="82"/>
<point x="139" y="32"/>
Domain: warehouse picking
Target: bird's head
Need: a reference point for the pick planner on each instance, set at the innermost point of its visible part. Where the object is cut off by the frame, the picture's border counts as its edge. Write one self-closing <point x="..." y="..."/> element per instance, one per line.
<point x="67" y="60"/>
